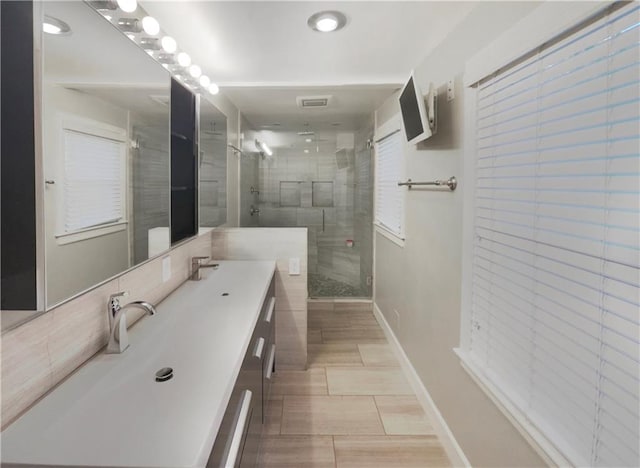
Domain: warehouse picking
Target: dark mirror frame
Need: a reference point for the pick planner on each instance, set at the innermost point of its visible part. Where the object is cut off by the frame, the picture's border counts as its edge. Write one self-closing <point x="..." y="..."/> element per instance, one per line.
<point x="19" y="259"/>
<point x="184" y="163"/>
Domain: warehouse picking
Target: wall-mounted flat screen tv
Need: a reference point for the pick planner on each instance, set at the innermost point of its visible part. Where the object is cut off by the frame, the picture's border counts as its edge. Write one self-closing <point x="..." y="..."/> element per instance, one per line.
<point x="418" y="117"/>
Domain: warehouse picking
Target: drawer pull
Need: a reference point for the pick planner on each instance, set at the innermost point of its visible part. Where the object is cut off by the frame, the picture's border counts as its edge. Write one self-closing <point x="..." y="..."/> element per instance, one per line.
<point x="236" y="440"/>
<point x="272" y="306"/>
<point x="272" y="357"/>
<point x="259" y="348"/>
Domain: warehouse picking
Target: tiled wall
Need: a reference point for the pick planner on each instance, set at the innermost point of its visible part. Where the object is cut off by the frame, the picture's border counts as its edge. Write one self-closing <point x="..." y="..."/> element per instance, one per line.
<point x="39" y="354"/>
<point x="298" y="190"/>
<point x="278" y="244"/>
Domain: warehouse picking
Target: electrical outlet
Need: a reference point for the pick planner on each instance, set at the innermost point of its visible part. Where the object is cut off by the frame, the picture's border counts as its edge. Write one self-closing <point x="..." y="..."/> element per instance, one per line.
<point x="397" y="314"/>
<point x="166" y="269"/>
<point x="451" y="92"/>
<point x="294" y="266"/>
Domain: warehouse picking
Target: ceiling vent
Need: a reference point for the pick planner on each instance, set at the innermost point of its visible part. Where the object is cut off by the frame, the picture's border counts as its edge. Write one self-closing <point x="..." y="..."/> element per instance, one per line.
<point x="315" y="102"/>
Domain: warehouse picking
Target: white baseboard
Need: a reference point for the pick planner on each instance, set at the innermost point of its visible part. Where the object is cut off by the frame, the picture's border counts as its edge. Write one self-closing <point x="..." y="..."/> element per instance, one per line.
<point x="448" y="441"/>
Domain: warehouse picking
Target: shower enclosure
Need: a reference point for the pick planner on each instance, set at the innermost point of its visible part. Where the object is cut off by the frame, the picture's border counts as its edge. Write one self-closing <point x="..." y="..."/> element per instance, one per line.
<point x="327" y="187"/>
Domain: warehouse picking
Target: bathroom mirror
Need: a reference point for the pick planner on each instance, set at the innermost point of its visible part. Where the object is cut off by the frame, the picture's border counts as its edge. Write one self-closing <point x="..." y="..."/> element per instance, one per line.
<point x="213" y="166"/>
<point x="106" y="151"/>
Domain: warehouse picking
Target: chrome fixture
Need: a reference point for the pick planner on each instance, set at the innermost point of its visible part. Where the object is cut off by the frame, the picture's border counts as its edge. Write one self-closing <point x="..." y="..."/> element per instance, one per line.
<point x="197" y="265"/>
<point x="451" y="182"/>
<point x="327" y="21"/>
<point x="131" y="25"/>
<point x="150" y="43"/>
<point x="118" y="321"/>
<point x="51" y="25"/>
<point x="135" y="23"/>
<point x="254" y="210"/>
<point x="252" y="190"/>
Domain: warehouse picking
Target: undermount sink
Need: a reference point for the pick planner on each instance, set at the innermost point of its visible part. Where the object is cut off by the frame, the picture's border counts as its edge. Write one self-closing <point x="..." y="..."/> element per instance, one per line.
<point x="113" y="411"/>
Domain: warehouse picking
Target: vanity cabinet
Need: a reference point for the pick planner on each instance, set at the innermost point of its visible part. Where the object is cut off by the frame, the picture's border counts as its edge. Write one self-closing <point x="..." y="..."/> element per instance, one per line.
<point x="238" y="440"/>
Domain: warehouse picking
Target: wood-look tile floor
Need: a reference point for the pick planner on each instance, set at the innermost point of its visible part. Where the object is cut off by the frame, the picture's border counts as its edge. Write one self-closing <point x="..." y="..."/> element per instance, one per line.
<point x="352" y="407"/>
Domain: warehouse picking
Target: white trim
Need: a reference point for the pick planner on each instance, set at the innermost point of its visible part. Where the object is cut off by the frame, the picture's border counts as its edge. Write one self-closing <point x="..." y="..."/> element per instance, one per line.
<point x="92" y="127"/>
<point x="544" y="23"/>
<point x="445" y="436"/>
<point x="90" y="232"/>
<point x="468" y="210"/>
<point x="392" y="236"/>
<point x="541" y="444"/>
<point x="391" y="126"/>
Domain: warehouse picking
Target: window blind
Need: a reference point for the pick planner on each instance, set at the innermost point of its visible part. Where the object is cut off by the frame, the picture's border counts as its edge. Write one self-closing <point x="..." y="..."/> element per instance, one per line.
<point x="555" y="271"/>
<point x="389" y="197"/>
<point x="92" y="180"/>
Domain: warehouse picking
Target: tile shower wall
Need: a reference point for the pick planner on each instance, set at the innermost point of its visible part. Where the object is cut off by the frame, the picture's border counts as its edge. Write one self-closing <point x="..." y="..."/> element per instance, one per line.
<point x="151" y="190"/>
<point x="316" y="191"/>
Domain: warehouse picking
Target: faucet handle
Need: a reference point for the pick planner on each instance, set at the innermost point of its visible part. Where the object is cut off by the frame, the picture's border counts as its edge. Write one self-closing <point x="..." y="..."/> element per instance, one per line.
<point x="119" y="294"/>
<point x="197" y="259"/>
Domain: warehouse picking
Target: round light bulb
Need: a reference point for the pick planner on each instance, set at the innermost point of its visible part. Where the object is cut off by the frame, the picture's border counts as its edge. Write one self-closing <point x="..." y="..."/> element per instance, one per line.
<point x="169" y="44"/>
<point x="150" y="25"/>
<point x="51" y="28"/>
<point x="327" y="24"/>
<point x="183" y="59"/>
<point x="213" y="88"/>
<point x="128" y="6"/>
<point x="195" y="71"/>
<point x="205" y="81"/>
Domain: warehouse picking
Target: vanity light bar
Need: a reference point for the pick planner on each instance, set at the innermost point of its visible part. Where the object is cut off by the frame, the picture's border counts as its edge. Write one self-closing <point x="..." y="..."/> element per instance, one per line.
<point x="131" y="19"/>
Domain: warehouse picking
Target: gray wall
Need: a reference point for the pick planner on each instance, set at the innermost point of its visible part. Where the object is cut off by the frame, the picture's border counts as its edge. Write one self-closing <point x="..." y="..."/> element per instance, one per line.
<point x="74" y="267"/>
<point x="422" y="280"/>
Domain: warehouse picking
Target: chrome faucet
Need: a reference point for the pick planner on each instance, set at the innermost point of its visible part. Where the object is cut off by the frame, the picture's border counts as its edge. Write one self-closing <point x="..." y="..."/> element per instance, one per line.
<point x="118" y="321"/>
<point x="253" y="210"/>
<point x="196" y="265"/>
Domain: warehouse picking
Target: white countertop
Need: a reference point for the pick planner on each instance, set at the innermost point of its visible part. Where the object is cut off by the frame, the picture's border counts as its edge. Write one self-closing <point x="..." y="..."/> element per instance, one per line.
<point x="112" y="412"/>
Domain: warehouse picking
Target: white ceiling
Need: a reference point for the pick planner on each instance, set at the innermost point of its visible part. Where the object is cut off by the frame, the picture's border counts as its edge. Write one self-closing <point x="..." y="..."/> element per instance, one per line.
<point x="263" y="55"/>
<point x="276" y="108"/>
<point x="254" y="43"/>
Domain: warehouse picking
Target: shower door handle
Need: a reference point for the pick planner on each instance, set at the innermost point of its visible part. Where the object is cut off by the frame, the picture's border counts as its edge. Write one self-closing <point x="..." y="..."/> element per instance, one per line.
<point x="323" y="220"/>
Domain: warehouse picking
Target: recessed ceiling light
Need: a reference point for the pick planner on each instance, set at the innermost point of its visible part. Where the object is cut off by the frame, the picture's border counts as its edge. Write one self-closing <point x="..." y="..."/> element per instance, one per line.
<point x="213" y="88"/>
<point x="52" y="25"/>
<point x="306" y="151"/>
<point x="308" y="140"/>
<point x="327" y="21"/>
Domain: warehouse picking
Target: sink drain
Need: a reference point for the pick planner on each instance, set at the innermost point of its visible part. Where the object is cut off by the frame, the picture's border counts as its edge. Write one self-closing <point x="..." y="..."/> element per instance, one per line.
<point x="164" y="374"/>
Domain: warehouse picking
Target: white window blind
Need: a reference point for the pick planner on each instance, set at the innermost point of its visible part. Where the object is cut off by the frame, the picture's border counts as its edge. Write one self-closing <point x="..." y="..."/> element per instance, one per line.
<point x="555" y="272"/>
<point x="93" y="186"/>
<point x="390" y="197"/>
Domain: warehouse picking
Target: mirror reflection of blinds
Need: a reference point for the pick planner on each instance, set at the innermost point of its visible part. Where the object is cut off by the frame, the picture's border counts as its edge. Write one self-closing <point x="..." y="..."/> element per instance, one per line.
<point x="92" y="182"/>
<point x="389" y="197"/>
<point x="555" y="291"/>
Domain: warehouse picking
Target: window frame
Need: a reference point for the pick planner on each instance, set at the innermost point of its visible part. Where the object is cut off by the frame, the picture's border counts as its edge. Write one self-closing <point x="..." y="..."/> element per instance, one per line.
<point x="68" y="122"/>
<point x="544" y="24"/>
<point x="391" y="126"/>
